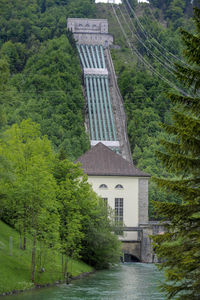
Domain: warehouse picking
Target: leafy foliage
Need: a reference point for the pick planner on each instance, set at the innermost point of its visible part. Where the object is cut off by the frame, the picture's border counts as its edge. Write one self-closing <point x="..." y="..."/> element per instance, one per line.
<point x="45" y="74"/>
<point x="179" y="246"/>
<point x="145" y="91"/>
<point x="50" y="200"/>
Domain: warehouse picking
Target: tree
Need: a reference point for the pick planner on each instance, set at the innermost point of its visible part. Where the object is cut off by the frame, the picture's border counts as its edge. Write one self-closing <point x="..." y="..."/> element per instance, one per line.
<point x="179" y="246"/>
<point x="85" y="223"/>
<point x="69" y="195"/>
<point x="31" y="197"/>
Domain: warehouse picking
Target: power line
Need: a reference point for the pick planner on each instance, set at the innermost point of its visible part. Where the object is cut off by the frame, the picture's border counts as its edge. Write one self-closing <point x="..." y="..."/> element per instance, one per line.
<point x="168" y="67"/>
<point x="146" y="63"/>
<point x="146" y="35"/>
<point x="147" y="39"/>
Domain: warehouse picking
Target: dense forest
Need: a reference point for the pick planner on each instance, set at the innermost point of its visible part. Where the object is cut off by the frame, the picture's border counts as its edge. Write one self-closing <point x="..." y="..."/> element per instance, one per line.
<point x="146" y="75"/>
<point x="41" y="71"/>
<point x="42" y="113"/>
<point x="43" y="195"/>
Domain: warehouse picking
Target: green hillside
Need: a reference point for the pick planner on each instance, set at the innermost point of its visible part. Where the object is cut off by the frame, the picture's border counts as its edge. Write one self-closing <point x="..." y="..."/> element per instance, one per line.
<point x="41" y="70"/>
<point x="15" y="263"/>
<point x="145" y="74"/>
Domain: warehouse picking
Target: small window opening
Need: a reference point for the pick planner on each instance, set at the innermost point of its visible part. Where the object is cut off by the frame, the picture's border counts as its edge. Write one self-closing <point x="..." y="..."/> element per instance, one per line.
<point x="103" y="186"/>
<point x="119" y="186"/>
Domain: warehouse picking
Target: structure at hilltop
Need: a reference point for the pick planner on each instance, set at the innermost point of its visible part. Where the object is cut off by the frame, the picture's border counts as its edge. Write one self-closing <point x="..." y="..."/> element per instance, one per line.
<point x="108" y="163"/>
<point x="105" y="116"/>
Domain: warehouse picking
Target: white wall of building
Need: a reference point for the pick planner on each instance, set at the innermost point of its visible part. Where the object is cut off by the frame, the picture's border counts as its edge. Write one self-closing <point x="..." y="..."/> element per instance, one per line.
<point x="129" y="193"/>
<point x="109" y="1"/>
<point x="143" y="1"/>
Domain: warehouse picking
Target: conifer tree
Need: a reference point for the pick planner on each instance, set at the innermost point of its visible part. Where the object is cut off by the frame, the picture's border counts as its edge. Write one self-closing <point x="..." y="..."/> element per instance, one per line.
<point x="179" y="246"/>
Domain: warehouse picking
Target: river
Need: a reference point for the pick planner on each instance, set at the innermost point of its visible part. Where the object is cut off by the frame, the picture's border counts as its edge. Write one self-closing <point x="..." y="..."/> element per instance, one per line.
<point x="129" y="281"/>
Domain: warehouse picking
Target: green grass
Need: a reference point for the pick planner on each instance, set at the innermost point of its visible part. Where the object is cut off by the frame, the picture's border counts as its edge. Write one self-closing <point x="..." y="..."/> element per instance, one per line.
<point x="15" y="271"/>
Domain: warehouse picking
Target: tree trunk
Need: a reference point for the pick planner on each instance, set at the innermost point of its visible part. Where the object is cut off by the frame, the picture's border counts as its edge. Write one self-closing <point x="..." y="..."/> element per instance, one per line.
<point x="24" y="242"/>
<point x="66" y="275"/>
<point x="20" y="238"/>
<point x="33" y="257"/>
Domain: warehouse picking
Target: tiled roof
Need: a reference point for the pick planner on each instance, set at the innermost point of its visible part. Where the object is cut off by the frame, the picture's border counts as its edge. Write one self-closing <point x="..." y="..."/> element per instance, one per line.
<point x="102" y="161"/>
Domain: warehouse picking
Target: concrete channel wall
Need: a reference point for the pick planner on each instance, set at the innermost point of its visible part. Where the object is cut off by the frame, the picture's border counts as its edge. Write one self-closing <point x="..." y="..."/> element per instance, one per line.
<point x="118" y="108"/>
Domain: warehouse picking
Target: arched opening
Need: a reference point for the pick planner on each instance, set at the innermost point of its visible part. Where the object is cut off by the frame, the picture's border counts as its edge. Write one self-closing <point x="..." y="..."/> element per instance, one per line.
<point x="103" y="186"/>
<point x="119" y="186"/>
<point x="130" y="258"/>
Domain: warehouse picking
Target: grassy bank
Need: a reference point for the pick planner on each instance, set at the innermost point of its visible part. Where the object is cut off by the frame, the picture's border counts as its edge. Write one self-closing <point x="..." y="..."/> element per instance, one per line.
<point x="15" y="263"/>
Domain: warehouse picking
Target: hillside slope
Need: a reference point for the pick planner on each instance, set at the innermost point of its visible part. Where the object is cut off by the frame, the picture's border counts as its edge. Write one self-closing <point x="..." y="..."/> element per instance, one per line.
<point x="145" y="73"/>
<point x="40" y="70"/>
<point x="15" y="274"/>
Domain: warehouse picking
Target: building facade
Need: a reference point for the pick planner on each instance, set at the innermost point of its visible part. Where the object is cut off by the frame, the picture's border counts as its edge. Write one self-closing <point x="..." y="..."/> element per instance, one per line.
<point x="109" y="1"/>
<point x="120" y="184"/>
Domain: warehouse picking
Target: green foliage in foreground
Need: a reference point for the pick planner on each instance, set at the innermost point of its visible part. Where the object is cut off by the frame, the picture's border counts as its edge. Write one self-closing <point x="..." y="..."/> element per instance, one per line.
<point x="49" y="201"/>
<point x="15" y="268"/>
<point x="179" y="247"/>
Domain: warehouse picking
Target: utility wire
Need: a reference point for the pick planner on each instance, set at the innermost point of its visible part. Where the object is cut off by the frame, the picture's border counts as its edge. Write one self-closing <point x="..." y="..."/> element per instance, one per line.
<point x="169" y="68"/>
<point x="147" y="35"/>
<point x="161" y="53"/>
<point x="146" y="63"/>
<point x="144" y="33"/>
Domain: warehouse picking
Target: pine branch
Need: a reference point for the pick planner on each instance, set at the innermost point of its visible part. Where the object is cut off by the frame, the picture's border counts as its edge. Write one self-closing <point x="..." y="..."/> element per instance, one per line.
<point x="187" y="146"/>
<point x="179" y="163"/>
<point x="189" y="76"/>
<point x="180" y="187"/>
<point x="192" y="43"/>
<point x="190" y="104"/>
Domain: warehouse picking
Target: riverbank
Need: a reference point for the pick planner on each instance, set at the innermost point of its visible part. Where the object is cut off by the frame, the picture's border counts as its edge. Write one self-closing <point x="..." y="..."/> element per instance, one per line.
<point x="15" y="265"/>
<point x="121" y="282"/>
<point x="35" y="287"/>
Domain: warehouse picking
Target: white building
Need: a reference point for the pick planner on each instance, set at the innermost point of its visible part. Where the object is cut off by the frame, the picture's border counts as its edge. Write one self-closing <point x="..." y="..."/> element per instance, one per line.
<point x="109" y="1"/>
<point x="120" y="184"/>
<point x="143" y="1"/>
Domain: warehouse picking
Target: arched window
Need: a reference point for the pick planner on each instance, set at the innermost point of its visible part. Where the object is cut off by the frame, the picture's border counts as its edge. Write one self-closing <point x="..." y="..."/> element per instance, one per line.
<point x="103" y="186"/>
<point x="119" y="186"/>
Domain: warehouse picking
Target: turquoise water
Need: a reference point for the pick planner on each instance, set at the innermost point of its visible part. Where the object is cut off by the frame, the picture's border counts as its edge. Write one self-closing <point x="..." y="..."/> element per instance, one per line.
<point x="134" y="281"/>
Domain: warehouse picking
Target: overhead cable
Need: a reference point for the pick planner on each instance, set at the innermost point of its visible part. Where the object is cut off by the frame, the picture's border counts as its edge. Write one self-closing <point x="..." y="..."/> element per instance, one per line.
<point x="146" y="63"/>
<point x="147" y="35"/>
<point x="168" y="67"/>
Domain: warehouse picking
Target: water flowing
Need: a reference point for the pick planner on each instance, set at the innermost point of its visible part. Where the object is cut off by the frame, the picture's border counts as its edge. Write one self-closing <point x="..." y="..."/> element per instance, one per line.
<point x="130" y="281"/>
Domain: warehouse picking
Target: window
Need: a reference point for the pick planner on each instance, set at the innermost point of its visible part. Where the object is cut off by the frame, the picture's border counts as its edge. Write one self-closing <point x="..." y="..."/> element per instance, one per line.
<point x="103" y="186"/>
<point x="119" y="186"/>
<point x="119" y="211"/>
